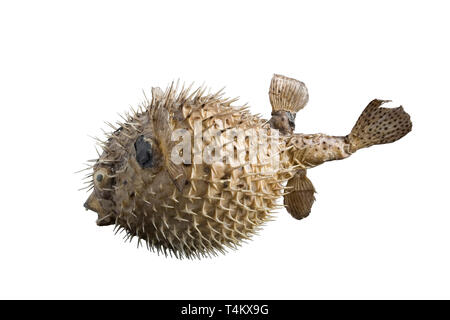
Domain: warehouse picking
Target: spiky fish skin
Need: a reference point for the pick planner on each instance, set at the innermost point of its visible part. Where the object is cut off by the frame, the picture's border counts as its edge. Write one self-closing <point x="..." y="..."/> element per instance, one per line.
<point x="219" y="206"/>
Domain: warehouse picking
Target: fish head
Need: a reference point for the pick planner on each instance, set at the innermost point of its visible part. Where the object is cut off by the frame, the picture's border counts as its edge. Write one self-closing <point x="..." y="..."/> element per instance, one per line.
<point x="114" y="181"/>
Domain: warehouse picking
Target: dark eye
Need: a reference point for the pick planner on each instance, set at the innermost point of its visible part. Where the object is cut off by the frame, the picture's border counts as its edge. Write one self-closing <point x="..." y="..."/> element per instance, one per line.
<point x="144" y="154"/>
<point x="101" y="179"/>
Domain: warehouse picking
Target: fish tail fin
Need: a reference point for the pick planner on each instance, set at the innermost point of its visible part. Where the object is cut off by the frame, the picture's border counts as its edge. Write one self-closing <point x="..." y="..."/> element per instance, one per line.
<point x="378" y="125"/>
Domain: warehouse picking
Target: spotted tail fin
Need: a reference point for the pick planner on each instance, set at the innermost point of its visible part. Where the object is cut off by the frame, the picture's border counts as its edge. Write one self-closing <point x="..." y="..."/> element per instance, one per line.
<point x="378" y="125"/>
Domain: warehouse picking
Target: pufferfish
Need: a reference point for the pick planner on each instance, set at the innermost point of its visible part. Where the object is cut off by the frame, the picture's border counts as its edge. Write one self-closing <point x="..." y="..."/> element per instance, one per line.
<point x="191" y="175"/>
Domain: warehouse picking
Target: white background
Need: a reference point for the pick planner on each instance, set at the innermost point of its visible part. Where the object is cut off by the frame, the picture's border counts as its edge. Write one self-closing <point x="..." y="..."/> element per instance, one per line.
<point x="380" y="227"/>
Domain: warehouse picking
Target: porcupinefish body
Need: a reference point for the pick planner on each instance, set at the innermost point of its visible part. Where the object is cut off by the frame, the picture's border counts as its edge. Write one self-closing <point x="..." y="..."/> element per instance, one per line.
<point x="190" y="174"/>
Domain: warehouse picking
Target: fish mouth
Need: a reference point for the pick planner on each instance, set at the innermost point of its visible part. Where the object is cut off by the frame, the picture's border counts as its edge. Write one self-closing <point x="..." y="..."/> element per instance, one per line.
<point x="93" y="204"/>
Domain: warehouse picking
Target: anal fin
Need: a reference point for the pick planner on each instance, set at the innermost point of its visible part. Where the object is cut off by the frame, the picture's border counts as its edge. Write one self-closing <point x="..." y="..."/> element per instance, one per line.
<point x="301" y="197"/>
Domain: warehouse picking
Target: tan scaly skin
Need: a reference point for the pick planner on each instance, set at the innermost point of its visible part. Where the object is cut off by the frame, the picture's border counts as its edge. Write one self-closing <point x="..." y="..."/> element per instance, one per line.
<point x="197" y="210"/>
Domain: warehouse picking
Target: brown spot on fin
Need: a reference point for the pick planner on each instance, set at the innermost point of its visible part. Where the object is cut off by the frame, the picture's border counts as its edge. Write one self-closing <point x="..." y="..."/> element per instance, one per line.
<point x="287" y="94"/>
<point x="300" y="198"/>
<point x="378" y="125"/>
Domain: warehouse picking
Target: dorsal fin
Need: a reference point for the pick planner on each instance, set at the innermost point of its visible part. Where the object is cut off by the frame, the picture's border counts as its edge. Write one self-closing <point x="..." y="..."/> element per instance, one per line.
<point x="287" y="94"/>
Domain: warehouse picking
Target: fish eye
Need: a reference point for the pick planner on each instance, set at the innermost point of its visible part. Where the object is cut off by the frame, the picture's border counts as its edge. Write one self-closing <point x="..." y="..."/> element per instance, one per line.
<point x="101" y="178"/>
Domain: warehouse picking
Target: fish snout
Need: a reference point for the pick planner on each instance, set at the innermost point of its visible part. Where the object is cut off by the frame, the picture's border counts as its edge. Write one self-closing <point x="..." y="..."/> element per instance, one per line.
<point x="92" y="203"/>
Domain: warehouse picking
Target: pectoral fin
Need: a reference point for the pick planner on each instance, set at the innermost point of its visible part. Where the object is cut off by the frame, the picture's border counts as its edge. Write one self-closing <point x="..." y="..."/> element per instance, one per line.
<point x="177" y="174"/>
<point x="301" y="197"/>
<point x="163" y="132"/>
